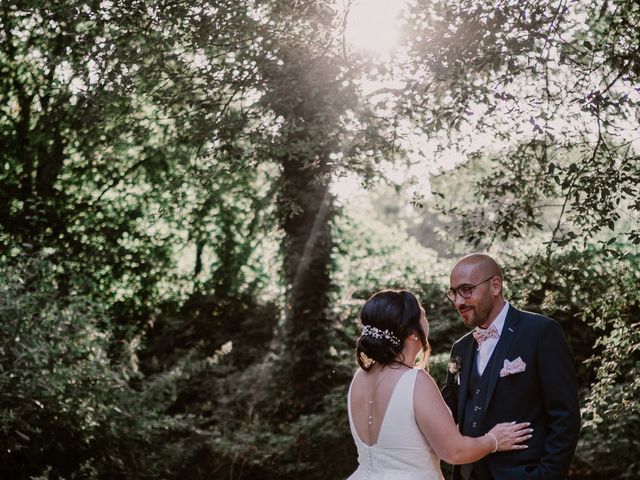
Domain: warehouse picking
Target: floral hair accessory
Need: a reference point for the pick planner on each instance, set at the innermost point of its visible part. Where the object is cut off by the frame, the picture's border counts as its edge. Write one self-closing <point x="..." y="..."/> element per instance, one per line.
<point x="371" y="331"/>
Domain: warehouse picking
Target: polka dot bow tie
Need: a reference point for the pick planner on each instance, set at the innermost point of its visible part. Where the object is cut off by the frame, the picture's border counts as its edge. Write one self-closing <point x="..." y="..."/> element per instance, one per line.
<point x="483" y="334"/>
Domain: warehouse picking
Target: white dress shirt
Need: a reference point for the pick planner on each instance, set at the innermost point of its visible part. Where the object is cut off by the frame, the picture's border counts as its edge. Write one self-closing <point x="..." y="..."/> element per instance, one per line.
<point x="488" y="346"/>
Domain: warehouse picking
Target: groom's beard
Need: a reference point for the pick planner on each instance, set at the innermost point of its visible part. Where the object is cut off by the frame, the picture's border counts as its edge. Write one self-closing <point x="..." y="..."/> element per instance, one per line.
<point x="474" y="315"/>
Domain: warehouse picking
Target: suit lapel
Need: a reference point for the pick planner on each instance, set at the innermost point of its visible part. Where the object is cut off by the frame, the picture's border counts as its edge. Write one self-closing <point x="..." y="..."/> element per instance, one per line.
<point x="509" y="331"/>
<point x="467" y="365"/>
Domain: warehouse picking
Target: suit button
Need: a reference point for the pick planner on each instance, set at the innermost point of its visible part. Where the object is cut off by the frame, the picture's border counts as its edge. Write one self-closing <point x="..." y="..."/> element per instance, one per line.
<point x="477" y="408"/>
<point x="474" y="424"/>
<point x="477" y="391"/>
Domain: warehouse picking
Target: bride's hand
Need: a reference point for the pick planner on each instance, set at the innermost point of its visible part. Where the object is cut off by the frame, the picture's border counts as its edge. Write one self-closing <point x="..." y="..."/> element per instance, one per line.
<point x="510" y="436"/>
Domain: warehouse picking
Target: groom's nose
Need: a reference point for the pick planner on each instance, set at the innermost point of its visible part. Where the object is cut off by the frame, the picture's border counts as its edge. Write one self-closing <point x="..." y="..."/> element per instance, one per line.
<point x="459" y="301"/>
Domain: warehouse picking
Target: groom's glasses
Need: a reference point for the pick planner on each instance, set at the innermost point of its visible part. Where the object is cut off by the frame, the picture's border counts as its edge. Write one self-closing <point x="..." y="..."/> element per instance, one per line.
<point x="465" y="291"/>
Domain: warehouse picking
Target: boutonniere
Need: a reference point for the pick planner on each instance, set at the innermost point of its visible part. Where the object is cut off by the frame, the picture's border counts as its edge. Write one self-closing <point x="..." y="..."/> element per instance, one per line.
<point x="455" y="368"/>
<point x="514" y="366"/>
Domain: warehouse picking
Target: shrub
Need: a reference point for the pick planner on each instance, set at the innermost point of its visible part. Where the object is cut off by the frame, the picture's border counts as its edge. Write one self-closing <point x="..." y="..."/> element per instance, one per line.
<point x="66" y="408"/>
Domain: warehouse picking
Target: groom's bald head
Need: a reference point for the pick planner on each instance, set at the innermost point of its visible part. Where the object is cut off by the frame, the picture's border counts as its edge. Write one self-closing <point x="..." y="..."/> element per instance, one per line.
<point x="480" y="263"/>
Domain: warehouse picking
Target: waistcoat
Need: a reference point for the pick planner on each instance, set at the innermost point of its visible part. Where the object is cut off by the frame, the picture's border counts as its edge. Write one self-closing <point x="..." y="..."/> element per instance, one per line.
<point x="472" y="425"/>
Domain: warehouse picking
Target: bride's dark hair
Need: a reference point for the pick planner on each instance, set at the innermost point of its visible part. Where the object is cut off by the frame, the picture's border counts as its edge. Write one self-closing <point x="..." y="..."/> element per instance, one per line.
<point x="388" y="317"/>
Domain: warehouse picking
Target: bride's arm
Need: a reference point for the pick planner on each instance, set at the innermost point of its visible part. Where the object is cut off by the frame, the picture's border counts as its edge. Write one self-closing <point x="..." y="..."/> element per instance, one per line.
<point x="437" y="425"/>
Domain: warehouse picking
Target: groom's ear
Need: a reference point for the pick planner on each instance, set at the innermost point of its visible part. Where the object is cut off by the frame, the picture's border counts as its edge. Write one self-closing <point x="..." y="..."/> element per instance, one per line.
<point x="496" y="286"/>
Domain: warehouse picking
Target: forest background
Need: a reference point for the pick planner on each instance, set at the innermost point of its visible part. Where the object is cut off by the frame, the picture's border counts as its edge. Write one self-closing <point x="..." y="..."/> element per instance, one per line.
<point x="196" y="198"/>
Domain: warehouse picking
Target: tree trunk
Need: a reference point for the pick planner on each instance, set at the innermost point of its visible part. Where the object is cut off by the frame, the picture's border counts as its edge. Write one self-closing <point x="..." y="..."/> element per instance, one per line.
<point x="307" y="260"/>
<point x="303" y="93"/>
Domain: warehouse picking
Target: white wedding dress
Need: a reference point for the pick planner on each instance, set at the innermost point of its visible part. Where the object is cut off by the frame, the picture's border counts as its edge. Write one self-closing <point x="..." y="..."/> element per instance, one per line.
<point x="401" y="452"/>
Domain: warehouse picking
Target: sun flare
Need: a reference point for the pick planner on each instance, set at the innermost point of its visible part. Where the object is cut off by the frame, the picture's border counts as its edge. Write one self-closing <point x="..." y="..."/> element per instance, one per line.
<point x="374" y="25"/>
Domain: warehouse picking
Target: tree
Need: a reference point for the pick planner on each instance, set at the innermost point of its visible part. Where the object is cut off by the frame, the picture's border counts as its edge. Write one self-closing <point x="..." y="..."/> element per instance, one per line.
<point x="320" y="131"/>
<point x="555" y="83"/>
<point x="108" y="122"/>
<point x="556" y="91"/>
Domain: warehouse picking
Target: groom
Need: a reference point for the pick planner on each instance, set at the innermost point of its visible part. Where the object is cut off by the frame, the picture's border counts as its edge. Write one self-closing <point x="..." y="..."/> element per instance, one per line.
<point x="514" y="366"/>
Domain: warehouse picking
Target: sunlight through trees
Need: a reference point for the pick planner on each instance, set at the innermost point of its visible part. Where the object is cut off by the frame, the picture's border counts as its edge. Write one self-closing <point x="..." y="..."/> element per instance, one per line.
<point x="183" y="259"/>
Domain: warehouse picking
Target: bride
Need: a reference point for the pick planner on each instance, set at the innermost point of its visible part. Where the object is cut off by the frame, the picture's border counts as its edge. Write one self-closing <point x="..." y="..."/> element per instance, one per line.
<point x="399" y="420"/>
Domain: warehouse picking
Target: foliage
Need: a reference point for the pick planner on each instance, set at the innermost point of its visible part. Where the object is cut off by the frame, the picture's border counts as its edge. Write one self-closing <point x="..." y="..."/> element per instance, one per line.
<point x="68" y="410"/>
<point x="292" y="450"/>
<point x="611" y="412"/>
<point x="553" y="83"/>
<point x="155" y="153"/>
<point x="120" y="141"/>
<point x="371" y="255"/>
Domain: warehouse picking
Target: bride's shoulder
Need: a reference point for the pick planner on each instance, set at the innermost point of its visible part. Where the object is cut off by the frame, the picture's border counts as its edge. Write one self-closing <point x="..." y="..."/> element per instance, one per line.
<point x="425" y="381"/>
<point x="422" y="373"/>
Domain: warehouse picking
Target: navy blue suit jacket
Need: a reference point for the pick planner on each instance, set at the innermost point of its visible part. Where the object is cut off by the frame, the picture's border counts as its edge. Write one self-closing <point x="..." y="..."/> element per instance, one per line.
<point x="545" y="394"/>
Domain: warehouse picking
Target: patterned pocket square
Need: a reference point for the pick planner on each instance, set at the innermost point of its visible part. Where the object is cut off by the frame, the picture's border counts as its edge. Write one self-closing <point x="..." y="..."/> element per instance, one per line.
<point x="511" y="367"/>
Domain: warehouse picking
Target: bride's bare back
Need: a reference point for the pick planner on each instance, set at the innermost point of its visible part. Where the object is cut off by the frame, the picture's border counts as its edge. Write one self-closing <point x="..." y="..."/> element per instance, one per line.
<point x="370" y="396"/>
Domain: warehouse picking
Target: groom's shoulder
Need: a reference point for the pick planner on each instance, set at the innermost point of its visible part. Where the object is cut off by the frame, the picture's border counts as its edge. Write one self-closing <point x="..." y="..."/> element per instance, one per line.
<point x="533" y="319"/>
